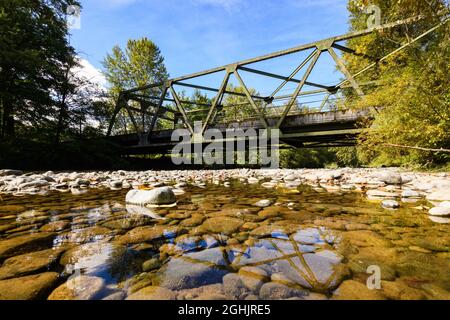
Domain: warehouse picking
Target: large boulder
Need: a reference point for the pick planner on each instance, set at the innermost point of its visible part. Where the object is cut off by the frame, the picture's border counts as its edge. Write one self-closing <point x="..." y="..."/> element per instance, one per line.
<point x="158" y="196"/>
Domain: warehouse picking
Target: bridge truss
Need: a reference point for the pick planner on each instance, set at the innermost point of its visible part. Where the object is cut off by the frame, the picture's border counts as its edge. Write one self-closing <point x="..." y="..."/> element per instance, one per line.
<point x="148" y="105"/>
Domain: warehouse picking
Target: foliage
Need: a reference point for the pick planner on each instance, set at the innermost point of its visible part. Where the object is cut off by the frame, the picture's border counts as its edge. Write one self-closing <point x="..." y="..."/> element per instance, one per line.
<point x="413" y="99"/>
<point x="139" y="64"/>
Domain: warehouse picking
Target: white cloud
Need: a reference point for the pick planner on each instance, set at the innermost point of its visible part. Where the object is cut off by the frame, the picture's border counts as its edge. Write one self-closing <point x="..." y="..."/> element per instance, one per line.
<point x="91" y="73"/>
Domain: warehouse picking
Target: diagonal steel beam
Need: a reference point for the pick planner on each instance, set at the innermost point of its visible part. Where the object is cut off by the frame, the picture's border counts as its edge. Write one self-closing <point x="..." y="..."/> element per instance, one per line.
<point x="181" y="109"/>
<point x="287" y="79"/>
<point x="351" y="51"/>
<point x="250" y="99"/>
<point x="293" y="74"/>
<point x="344" y="70"/>
<point x="217" y="100"/>
<point x="194" y="86"/>
<point x="158" y="109"/>
<point x="299" y="88"/>
<point x="324" y="102"/>
<point x="121" y="101"/>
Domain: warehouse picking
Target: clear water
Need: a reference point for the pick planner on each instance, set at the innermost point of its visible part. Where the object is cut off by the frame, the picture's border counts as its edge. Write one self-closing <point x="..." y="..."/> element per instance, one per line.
<point x="215" y="244"/>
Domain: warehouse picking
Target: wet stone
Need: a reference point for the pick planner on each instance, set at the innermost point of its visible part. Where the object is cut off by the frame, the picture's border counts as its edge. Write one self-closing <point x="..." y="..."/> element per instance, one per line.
<point x="354" y="290"/>
<point x="153" y="293"/>
<point x="194" y="270"/>
<point x="222" y="225"/>
<point x="25" y="244"/>
<point x="79" y="288"/>
<point x="33" y="287"/>
<point x="278" y="291"/>
<point x="29" y="263"/>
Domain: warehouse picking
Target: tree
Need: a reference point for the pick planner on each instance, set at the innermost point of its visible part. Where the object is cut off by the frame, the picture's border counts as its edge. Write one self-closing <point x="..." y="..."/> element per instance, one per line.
<point x="140" y="64"/>
<point x="34" y="57"/>
<point x="413" y="94"/>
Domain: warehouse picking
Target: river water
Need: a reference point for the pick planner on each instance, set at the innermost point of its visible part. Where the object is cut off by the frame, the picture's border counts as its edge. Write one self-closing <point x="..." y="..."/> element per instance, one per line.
<point x="217" y="244"/>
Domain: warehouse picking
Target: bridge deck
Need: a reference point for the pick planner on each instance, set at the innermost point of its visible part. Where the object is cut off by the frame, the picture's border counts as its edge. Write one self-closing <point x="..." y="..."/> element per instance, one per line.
<point x="299" y="130"/>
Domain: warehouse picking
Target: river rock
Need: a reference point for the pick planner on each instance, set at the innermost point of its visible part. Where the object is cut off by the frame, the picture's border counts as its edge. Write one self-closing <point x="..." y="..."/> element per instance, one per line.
<point x="234" y="287"/>
<point x="151" y="265"/>
<point x="380" y="195"/>
<point x="25" y="244"/>
<point x="33" y="287"/>
<point x="79" y="288"/>
<point x="390" y="204"/>
<point x="354" y="290"/>
<point x="391" y="178"/>
<point x="263" y="203"/>
<point x="440" y="195"/>
<point x="55" y="226"/>
<point x="253" y="277"/>
<point x="153" y="293"/>
<point x="222" y="225"/>
<point x="148" y="234"/>
<point x="194" y="270"/>
<point x="279" y="291"/>
<point x="440" y="211"/>
<point x="158" y="196"/>
<point x="28" y="263"/>
<point x="84" y="235"/>
<point x="410" y="194"/>
<point x="95" y="258"/>
<point x="321" y="271"/>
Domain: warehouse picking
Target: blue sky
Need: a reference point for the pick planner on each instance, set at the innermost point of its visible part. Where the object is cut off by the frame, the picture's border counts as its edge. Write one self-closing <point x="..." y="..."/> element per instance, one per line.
<point x="194" y="35"/>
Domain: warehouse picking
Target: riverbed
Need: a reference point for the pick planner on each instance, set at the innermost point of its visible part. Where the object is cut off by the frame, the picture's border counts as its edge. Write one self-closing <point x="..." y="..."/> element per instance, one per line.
<point x="231" y="235"/>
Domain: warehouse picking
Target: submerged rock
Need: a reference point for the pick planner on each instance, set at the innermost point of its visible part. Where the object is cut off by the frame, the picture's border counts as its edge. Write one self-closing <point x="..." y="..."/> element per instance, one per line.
<point x="194" y="270"/>
<point x="148" y="234"/>
<point x="25" y="244"/>
<point x="28" y="263"/>
<point x="153" y="293"/>
<point x="79" y="288"/>
<point x="28" y="288"/>
<point x="354" y="290"/>
<point x="158" y="196"/>
<point x="222" y="225"/>
<point x="279" y="291"/>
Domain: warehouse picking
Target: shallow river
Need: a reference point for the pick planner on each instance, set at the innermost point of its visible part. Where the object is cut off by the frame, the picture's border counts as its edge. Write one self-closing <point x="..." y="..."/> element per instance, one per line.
<point x="216" y="244"/>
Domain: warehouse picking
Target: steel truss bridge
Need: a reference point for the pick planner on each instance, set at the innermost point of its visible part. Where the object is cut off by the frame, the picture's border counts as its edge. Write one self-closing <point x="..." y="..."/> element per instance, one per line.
<point x="327" y="125"/>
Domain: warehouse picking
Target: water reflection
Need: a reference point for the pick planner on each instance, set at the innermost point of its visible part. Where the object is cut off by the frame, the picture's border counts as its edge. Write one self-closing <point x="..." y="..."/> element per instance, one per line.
<point x="305" y="244"/>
